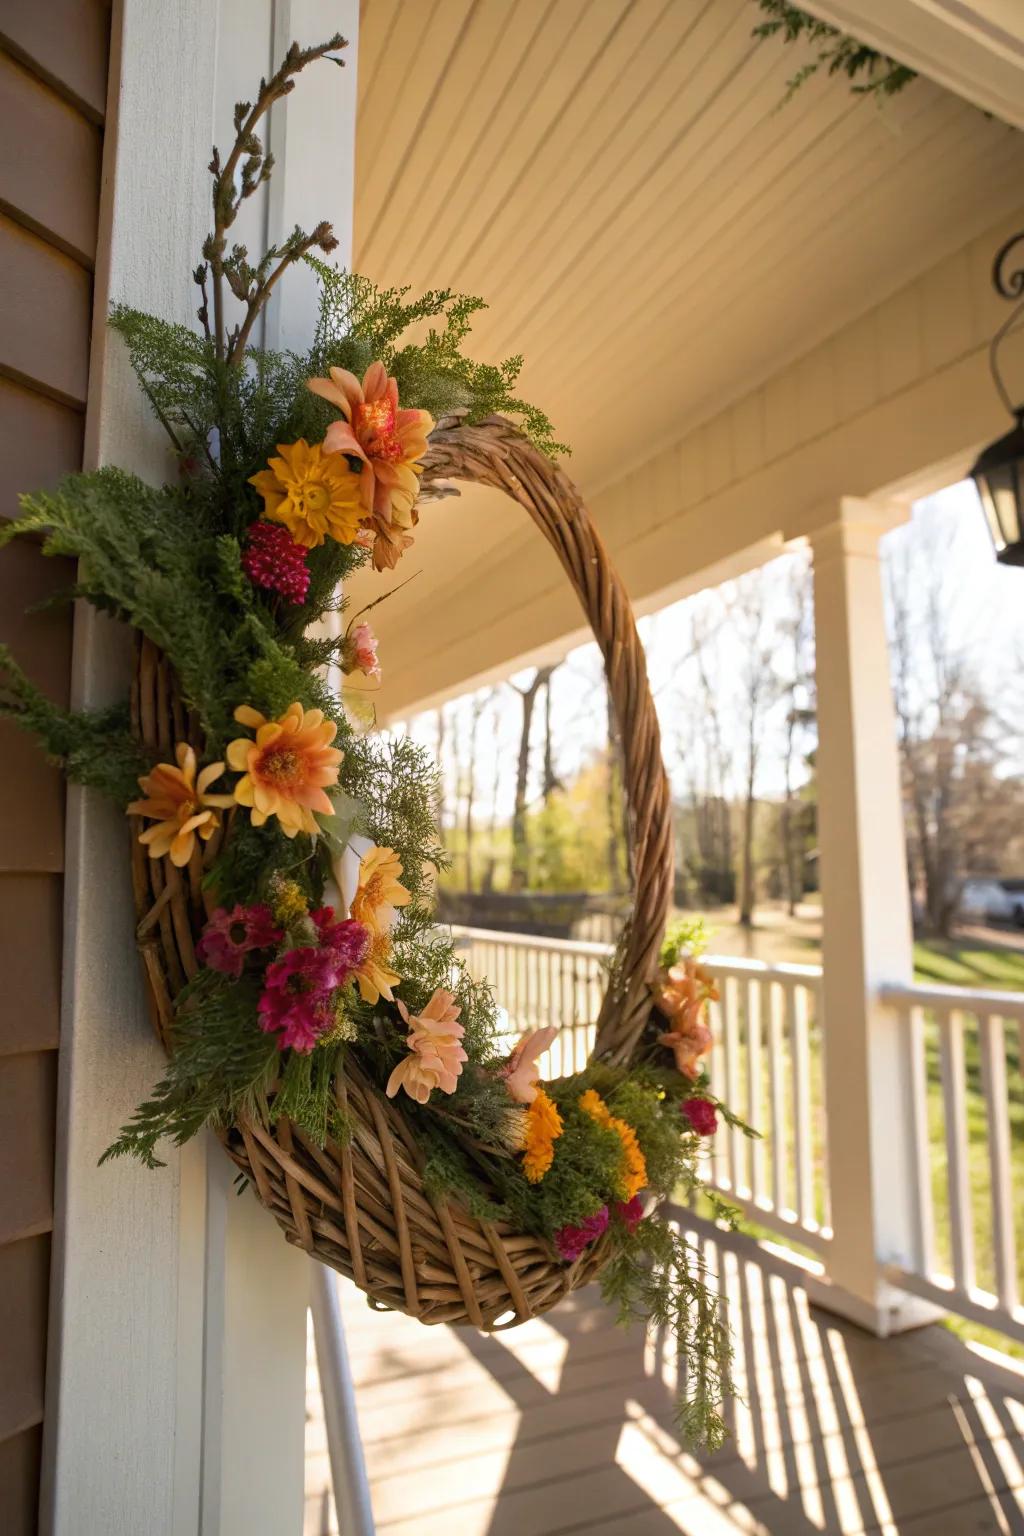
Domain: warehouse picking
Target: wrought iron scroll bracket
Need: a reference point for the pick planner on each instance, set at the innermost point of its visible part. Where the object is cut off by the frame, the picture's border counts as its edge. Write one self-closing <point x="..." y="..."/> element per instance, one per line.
<point x="1008" y="282"/>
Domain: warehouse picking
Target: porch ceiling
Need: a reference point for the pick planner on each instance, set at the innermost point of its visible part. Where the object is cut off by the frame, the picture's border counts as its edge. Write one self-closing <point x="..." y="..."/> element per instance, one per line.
<point x="651" y="228"/>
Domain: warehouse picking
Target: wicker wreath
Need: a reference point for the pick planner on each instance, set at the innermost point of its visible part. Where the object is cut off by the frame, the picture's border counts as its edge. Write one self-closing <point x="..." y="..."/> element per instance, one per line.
<point x="361" y="1207"/>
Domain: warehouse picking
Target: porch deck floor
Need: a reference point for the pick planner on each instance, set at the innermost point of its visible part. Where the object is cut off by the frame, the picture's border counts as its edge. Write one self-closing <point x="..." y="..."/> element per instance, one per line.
<point x="564" y="1425"/>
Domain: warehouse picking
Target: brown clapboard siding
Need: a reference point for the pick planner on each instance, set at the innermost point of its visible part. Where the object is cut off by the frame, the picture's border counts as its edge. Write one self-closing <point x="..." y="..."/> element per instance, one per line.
<point x="19" y="1479"/>
<point x="53" y="81"/>
<point x="66" y="43"/>
<point x="27" y="1105"/>
<point x="44" y="342"/>
<point x="30" y="960"/>
<point x="40" y="441"/>
<point x="49" y="162"/>
<point x="24" y="1298"/>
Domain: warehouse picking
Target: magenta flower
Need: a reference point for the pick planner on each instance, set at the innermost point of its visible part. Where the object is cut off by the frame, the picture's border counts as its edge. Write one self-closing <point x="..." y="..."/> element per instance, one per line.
<point x="701" y="1115"/>
<point x="348" y="940"/>
<point x="571" y="1241"/>
<point x="273" y="560"/>
<point x="630" y="1213"/>
<point x="229" y="936"/>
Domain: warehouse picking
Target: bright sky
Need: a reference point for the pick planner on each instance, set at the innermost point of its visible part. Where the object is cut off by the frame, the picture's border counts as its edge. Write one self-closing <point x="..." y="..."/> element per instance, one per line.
<point x="984" y="601"/>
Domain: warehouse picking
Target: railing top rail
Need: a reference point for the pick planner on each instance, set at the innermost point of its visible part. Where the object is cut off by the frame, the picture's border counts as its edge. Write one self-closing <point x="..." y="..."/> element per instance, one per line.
<point x="723" y="965"/>
<point x="970" y="999"/>
<point x="533" y="941"/>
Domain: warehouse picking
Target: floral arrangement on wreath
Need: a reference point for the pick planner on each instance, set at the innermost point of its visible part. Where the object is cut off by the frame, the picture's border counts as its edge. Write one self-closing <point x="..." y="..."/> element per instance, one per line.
<point x="313" y="839"/>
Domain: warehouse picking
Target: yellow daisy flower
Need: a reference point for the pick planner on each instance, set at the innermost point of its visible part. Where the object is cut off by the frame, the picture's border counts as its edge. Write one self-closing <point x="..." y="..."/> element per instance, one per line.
<point x="314" y="494"/>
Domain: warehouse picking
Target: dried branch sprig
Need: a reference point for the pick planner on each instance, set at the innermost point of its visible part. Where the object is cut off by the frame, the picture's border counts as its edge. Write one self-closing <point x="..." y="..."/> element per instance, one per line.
<point x="237" y="178"/>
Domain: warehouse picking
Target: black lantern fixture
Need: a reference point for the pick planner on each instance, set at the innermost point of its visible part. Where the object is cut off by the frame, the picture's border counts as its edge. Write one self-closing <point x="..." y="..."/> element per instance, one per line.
<point x="999" y="471"/>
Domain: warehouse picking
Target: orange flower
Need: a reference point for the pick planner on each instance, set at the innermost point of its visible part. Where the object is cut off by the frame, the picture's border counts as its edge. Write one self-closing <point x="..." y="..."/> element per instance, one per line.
<point x="682" y="994"/>
<point x="633" y="1172"/>
<point x="315" y="495"/>
<point x="390" y="442"/>
<point x="286" y="769"/>
<point x="374" y="975"/>
<point x="177" y="800"/>
<point x="543" y="1128"/>
<point x="435" y="1054"/>
<point x="379" y="891"/>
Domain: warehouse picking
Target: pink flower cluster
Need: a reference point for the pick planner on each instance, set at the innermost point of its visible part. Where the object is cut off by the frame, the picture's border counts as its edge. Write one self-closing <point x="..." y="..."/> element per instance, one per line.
<point x="630" y="1213"/>
<point x="273" y="560"/>
<point x="701" y="1115"/>
<point x="571" y="1241"/>
<point x="299" y="987"/>
<point x="229" y="936"/>
<point x="359" y="651"/>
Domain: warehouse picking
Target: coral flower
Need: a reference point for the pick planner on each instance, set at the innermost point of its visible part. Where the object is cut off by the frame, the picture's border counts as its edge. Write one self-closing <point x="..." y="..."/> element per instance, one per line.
<point x="682" y="994"/>
<point x="286" y="769"/>
<point x="435" y="1053"/>
<point x="388" y="441"/>
<point x="688" y="1046"/>
<point x="229" y="936"/>
<point x="179" y="803"/>
<point x="313" y="493"/>
<point x="374" y="973"/>
<point x="379" y="891"/>
<point x="543" y="1128"/>
<point x="520" y="1070"/>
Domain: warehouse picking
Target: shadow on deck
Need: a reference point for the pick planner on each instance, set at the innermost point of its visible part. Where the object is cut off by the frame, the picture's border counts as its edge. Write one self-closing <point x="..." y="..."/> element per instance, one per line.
<point x="565" y="1425"/>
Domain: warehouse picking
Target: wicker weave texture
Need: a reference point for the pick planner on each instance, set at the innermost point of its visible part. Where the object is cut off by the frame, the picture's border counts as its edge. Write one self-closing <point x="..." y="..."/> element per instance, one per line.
<point x="362" y="1208"/>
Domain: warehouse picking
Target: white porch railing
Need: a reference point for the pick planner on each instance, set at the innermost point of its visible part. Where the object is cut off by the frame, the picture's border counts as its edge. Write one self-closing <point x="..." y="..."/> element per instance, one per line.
<point x="966" y="1085"/>
<point x="767" y="1064"/>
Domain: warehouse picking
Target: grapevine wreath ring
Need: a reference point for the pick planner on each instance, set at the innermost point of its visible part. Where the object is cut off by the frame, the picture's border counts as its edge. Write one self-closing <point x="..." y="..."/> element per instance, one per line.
<point x="360" y="1207"/>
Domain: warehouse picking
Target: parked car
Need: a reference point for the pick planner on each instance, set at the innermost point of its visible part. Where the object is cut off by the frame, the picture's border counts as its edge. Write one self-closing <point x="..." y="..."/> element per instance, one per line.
<point x="988" y="900"/>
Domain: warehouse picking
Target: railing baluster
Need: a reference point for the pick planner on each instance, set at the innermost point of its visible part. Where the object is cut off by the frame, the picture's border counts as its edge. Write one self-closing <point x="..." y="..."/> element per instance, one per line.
<point x="993" y="1081"/>
<point x="802" y="1161"/>
<point x="961" y="1222"/>
<point x="719" y="1160"/>
<point x="732" y="1076"/>
<point x="776" y="991"/>
<point x="755" y="1087"/>
<point x="921" y="1150"/>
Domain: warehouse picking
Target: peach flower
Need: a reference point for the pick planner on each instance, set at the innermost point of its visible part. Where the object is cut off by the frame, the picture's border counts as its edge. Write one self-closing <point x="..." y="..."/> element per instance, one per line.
<point x="179" y="803"/>
<point x="388" y="441"/>
<point x="520" y="1070"/>
<point x="379" y="891"/>
<point x="287" y="768"/>
<point x="435" y="1052"/>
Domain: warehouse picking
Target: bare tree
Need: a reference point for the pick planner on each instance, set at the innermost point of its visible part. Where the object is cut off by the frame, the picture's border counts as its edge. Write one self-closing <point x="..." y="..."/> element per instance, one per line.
<point x="477" y="706"/>
<point x="962" y="809"/>
<point x="439" y="758"/>
<point x="798" y="692"/>
<point x="520" y="834"/>
<point x="757" y="692"/>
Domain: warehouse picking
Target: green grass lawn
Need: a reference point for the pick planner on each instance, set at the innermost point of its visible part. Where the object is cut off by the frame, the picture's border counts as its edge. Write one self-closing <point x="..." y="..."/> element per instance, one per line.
<point x="949" y="963"/>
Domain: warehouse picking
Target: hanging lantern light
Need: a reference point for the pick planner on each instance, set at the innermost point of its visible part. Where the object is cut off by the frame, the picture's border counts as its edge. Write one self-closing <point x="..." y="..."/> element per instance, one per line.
<point x="999" y="470"/>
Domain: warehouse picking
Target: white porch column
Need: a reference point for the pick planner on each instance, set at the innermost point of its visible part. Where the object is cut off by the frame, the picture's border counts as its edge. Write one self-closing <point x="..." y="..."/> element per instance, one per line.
<point x="867" y="922"/>
<point x="176" y="1372"/>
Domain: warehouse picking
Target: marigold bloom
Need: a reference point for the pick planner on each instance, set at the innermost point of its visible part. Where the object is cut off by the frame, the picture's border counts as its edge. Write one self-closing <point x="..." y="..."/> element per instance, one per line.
<point x="374" y="974"/>
<point x="313" y="493"/>
<point x="177" y="800"/>
<point x="435" y="1054"/>
<point x="633" y="1170"/>
<point x="388" y="441"/>
<point x="543" y="1128"/>
<point x="520" y="1070"/>
<point x="285" y="770"/>
<point x="379" y="890"/>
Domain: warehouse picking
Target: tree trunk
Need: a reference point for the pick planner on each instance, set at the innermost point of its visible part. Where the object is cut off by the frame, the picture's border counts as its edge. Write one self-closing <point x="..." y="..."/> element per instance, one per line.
<point x="439" y="807"/>
<point x="474" y="722"/>
<point x="747" y="876"/>
<point x="520" y="836"/>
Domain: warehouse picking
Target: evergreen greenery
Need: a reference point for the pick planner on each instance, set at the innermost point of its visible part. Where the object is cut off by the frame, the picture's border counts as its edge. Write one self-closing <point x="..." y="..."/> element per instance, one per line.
<point x="870" y="72"/>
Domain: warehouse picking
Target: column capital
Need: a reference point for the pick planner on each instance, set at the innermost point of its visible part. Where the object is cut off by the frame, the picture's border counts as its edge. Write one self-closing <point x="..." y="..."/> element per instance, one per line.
<point x="853" y="526"/>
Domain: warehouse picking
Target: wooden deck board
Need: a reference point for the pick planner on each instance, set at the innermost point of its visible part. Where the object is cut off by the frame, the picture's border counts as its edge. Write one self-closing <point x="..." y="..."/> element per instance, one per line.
<point x="565" y="1426"/>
